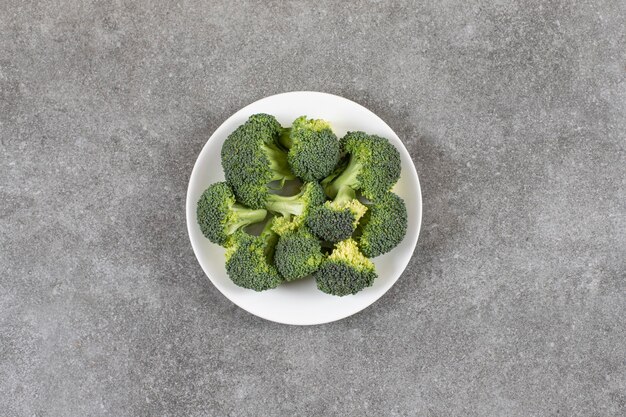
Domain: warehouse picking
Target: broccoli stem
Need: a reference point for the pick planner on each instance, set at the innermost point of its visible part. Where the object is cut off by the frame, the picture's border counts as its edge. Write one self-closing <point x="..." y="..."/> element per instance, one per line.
<point x="278" y="163"/>
<point x="244" y="216"/>
<point x="345" y="194"/>
<point x="285" y="205"/>
<point x="271" y="238"/>
<point x="348" y="178"/>
<point x="285" y="138"/>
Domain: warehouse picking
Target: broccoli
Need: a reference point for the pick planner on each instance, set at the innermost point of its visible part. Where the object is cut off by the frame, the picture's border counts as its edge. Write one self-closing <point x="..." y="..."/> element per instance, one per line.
<point x="220" y="216"/>
<point x="311" y="195"/>
<point x="250" y="259"/>
<point x="298" y="254"/>
<point x="336" y="220"/>
<point x="313" y="148"/>
<point x="345" y="271"/>
<point x="371" y="165"/>
<point x="305" y="234"/>
<point x="384" y="225"/>
<point x="252" y="158"/>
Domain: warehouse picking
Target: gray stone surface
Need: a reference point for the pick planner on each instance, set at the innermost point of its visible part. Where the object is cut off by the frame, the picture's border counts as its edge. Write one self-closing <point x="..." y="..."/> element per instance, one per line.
<point x="513" y="304"/>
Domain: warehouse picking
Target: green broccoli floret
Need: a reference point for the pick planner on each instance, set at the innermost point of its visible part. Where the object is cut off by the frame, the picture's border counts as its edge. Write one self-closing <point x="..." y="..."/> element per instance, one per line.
<point x="220" y="216"/>
<point x="313" y="148"/>
<point x="345" y="271"/>
<point x="298" y="254"/>
<point x="384" y="225"/>
<point x="336" y="220"/>
<point x="250" y="259"/>
<point x="371" y="165"/>
<point x="285" y="224"/>
<point x="252" y="158"/>
<point x="311" y="195"/>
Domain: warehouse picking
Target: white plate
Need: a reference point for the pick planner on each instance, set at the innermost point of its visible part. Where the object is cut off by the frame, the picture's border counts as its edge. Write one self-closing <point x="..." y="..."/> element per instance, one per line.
<point x="300" y="302"/>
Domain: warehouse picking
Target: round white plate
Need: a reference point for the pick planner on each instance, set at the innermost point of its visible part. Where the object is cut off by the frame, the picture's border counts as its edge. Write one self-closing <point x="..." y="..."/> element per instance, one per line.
<point x="300" y="302"/>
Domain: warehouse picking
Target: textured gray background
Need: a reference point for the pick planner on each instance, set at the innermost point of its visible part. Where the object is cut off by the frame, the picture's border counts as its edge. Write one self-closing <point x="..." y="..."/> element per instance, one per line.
<point x="513" y="304"/>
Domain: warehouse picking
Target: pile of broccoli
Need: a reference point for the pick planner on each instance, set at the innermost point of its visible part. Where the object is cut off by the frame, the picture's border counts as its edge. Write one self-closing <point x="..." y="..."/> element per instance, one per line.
<point x="343" y="214"/>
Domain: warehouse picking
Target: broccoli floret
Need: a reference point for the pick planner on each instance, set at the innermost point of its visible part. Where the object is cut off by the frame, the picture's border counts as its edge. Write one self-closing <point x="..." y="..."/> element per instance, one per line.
<point x="371" y="165"/>
<point x="345" y="271"/>
<point x="384" y="225"/>
<point x="311" y="195"/>
<point x="336" y="220"/>
<point x="250" y="259"/>
<point x="285" y="224"/>
<point x="298" y="254"/>
<point x="313" y="148"/>
<point x="252" y="158"/>
<point x="220" y="216"/>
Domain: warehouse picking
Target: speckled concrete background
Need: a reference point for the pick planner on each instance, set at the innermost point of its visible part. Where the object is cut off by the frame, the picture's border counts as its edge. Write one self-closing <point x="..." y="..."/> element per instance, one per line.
<point x="514" y="303"/>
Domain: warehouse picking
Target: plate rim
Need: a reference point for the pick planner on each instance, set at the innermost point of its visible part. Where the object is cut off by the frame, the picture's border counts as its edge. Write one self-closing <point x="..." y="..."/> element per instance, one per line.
<point x="190" y="218"/>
